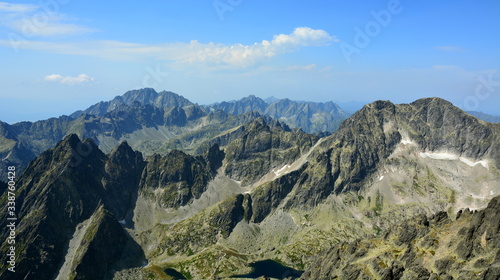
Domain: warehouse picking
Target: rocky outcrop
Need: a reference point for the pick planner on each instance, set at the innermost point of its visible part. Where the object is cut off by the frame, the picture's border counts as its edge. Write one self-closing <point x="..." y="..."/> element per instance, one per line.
<point x="190" y="236"/>
<point x="177" y="178"/>
<point x="421" y="248"/>
<point x="231" y="212"/>
<point x="263" y="146"/>
<point x="123" y="171"/>
<point x="61" y="189"/>
<point x="97" y="249"/>
<point x="269" y="195"/>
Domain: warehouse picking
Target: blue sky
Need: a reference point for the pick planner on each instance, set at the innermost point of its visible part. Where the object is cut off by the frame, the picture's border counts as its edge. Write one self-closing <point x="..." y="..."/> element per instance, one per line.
<point x="58" y="56"/>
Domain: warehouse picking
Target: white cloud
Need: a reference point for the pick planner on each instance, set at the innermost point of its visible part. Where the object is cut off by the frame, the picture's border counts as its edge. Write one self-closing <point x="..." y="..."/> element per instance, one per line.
<point x="194" y="53"/>
<point x="28" y="21"/>
<point x="52" y="27"/>
<point x="18" y="8"/>
<point x="304" y="36"/>
<point x="68" y="80"/>
<point x="53" y="78"/>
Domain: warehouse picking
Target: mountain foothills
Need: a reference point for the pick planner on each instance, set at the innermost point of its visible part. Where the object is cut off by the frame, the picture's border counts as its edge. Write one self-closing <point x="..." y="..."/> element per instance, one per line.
<point x="151" y="186"/>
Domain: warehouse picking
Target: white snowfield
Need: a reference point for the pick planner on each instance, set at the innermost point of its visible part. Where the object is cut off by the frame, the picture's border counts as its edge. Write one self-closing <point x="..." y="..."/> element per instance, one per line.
<point x="405" y="140"/>
<point x="450" y="156"/>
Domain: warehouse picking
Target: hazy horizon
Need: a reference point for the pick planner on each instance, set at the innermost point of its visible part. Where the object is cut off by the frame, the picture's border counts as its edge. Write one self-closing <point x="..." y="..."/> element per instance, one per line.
<point x="62" y="56"/>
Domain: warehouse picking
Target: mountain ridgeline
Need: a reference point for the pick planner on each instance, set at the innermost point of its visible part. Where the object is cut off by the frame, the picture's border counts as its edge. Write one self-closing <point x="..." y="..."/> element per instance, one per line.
<point x="312" y="117"/>
<point x="146" y="96"/>
<point x="225" y="189"/>
<point x="154" y="122"/>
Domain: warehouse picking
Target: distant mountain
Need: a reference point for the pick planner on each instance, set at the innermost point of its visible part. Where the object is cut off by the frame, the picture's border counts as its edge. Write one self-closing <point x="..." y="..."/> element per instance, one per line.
<point x="150" y="122"/>
<point x="244" y="105"/>
<point x="351" y="107"/>
<point x="271" y="100"/>
<point x="156" y="122"/>
<point x="485" y="117"/>
<point x="146" y="96"/>
<point x="312" y="117"/>
<point x="262" y="191"/>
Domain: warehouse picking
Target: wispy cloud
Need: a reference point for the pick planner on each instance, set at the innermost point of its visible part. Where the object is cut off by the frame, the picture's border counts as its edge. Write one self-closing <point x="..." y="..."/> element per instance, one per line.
<point x="17" y="8"/>
<point x="68" y="80"/>
<point x="450" y="49"/>
<point x="28" y="21"/>
<point x="194" y="53"/>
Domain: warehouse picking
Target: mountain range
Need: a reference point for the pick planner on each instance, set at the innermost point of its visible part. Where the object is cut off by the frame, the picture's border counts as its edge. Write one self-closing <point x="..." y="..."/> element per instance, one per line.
<point x="152" y="186"/>
<point x="153" y="122"/>
<point x="312" y="117"/>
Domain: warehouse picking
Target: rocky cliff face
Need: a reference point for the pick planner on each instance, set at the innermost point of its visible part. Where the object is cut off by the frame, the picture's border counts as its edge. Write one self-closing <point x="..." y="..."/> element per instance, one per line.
<point x="262" y="146"/>
<point x="61" y="190"/>
<point x="422" y="248"/>
<point x="177" y="178"/>
<point x="345" y="160"/>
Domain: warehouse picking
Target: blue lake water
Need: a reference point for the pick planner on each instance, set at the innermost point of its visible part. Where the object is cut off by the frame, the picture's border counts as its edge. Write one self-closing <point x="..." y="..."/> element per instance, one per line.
<point x="174" y="273"/>
<point x="270" y="268"/>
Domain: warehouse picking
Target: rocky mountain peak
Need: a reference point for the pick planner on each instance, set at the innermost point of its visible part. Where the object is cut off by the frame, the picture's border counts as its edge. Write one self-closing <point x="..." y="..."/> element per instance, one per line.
<point x="134" y="98"/>
<point x="124" y="154"/>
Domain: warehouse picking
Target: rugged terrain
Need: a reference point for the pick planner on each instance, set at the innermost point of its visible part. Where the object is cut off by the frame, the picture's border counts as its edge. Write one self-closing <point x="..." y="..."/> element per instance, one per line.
<point x="150" y="122"/>
<point x="312" y="117"/>
<point x="156" y="122"/>
<point x="421" y="248"/>
<point x="258" y="190"/>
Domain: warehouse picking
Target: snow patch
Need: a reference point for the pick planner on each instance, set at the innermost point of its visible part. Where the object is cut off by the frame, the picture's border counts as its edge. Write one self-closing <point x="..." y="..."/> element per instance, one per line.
<point x="237" y="182"/>
<point x="407" y="141"/>
<point x="445" y="156"/>
<point x="122" y="222"/>
<point x="467" y="161"/>
<point x="450" y="156"/>
<point x="283" y="170"/>
<point x="381" y="177"/>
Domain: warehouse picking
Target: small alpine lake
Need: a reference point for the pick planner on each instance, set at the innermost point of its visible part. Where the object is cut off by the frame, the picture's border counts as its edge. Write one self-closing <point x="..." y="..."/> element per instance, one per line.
<point x="270" y="268"/>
